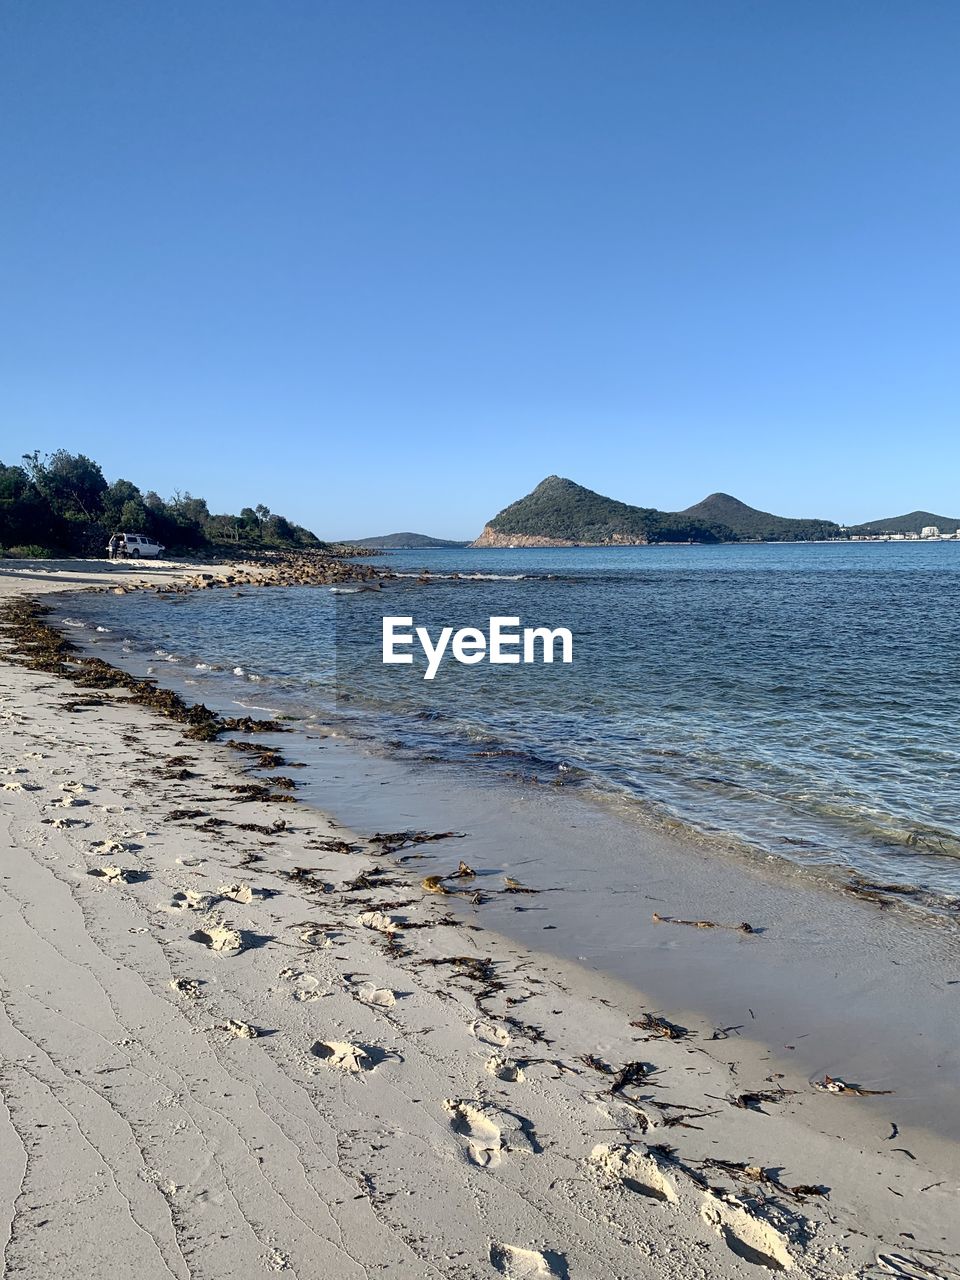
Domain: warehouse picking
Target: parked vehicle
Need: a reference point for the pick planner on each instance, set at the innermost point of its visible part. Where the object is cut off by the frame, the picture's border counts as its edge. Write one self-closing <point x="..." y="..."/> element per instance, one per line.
<point x="135" y="545"/>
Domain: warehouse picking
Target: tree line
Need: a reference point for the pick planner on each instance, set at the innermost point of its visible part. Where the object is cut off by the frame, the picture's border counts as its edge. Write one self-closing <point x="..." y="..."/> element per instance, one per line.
<point x="61" y="503"/>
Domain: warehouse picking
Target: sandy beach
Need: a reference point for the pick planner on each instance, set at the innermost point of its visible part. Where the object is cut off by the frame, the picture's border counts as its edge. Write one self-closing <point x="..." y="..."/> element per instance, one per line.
<point x="239" y="1038"/>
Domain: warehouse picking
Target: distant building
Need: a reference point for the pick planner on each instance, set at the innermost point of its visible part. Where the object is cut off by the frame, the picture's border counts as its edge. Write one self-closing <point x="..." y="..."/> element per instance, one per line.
<point x="930" y="531"/>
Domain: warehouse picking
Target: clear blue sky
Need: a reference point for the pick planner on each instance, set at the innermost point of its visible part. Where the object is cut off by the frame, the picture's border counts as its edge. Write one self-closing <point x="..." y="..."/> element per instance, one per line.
<point x="385" y="264"/>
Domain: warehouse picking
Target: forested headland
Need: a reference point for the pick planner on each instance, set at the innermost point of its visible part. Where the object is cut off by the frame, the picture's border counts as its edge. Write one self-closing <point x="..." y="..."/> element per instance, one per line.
<point x="62" y="504"/>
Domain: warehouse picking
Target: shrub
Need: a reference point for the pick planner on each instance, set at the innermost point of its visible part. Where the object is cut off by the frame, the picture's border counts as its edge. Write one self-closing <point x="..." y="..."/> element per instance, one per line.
<point x="31" y="552"/>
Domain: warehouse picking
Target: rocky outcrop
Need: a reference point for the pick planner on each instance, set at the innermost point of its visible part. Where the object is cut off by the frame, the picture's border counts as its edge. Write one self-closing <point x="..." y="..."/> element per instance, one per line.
<point x="491" y="538"/>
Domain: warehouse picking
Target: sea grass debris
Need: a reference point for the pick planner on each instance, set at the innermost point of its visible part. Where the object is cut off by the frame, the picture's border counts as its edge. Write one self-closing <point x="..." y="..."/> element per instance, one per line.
<point x="514" y="886"/>
<point x="658" y="1026"/>
<point x="742" y="927"/>
<point x="434" y="884"/>
<point x="833" y="1084"/>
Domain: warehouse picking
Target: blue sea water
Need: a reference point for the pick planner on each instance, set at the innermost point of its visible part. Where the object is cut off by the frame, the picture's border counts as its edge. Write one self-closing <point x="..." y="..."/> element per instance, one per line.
<point x="796" y="700"/>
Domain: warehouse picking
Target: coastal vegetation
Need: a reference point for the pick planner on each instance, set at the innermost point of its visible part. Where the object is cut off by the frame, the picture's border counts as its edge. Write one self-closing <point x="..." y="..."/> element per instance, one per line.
<point x="747" y="524"/>
<point x="560" y="511"/>
<point x="62" y="503"/>
<point x="913" y="522"/>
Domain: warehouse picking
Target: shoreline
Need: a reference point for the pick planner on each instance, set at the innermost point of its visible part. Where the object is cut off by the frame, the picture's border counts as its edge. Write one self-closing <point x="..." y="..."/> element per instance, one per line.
<point x="740" y="864"/>
<point x="624" y="913"/>
<point x="273" y="569"/>
<point x="863" y="863"/>
<point x="478" y="1146"/>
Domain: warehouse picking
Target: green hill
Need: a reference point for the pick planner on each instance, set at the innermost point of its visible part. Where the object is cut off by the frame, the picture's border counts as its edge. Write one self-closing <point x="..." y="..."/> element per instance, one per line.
<point x="402" y="542"/>
<point x="913" y="522"/>
<point x="558" y="511"/>
<point x="751" y="525"/>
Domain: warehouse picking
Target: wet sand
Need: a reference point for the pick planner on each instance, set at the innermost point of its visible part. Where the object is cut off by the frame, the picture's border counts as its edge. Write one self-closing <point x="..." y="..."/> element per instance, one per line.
<point x="829" y="983"/>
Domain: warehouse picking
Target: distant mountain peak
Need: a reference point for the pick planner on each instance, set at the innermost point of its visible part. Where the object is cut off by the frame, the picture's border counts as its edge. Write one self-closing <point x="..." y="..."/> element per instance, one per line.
<point x="723" y="502"/>
<point x="402" y="541"/>
<point x="912" y="522"/>
<point x="719" y="496"/>
<point x="749" y="524"/>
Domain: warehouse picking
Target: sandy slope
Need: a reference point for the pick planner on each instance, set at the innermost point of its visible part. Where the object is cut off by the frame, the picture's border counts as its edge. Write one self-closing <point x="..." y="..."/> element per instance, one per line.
<point x="322" y="1099"/>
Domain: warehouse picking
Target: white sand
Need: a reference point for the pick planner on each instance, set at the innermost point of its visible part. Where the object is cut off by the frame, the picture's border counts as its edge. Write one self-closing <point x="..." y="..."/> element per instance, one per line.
<point x="320" y="1101"/>
<point x="35" y="577"/>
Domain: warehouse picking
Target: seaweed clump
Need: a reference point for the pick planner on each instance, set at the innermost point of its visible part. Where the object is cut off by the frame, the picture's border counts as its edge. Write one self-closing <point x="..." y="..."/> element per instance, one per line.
<point x="33" y="643"/>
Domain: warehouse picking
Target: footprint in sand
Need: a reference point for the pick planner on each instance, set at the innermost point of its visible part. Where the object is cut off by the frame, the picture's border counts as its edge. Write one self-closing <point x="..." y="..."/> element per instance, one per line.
<point x="13" y="786"/>
<point x="241" y="1030"/>
<point x="483" y="1134"/>
<point x="527" y="1264"/>
<point x="746" y="1235"/>
<point x="116" y="875"/>
<point x="505" y="1069"/>
<point x="219" y="938"/>
<point x="634" y="1169"/>
<point x="191" y="900"/>
<point x="109" y="846"/>
<point x="189" y="988"/>
<point x="488" y="1132"/>
<point x="76" y="788"/>
<point x="241" y="893"/>
<point x="489" y="1033"/>
<point x="343" y="1056"/>
<point x="306" y="987"/>
<point x="376" y="997"/>
<point x="315" y="936"/>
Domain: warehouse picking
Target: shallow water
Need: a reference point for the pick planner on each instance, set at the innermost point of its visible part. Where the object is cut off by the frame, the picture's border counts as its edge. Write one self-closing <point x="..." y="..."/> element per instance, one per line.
<point x="801" y="699"/>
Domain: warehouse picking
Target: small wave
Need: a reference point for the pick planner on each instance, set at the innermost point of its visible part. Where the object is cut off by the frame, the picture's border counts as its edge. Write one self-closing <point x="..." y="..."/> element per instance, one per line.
<point x="491" y="577"/>
<point x="73" y="622"/>
<point x="247" y="675"/>
<point x="105" y="630"/>
<point x="463" y="577"/>
<point x="255" y="706"/>
<point x="344" y="591"/>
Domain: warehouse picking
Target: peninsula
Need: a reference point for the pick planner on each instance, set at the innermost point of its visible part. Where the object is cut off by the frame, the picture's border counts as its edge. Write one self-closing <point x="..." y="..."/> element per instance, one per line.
<point x="561" y="513"/>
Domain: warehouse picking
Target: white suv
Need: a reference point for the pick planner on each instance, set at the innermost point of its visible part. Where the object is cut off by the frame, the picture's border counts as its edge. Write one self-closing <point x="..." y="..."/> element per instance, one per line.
<point x="136" y="545"/>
